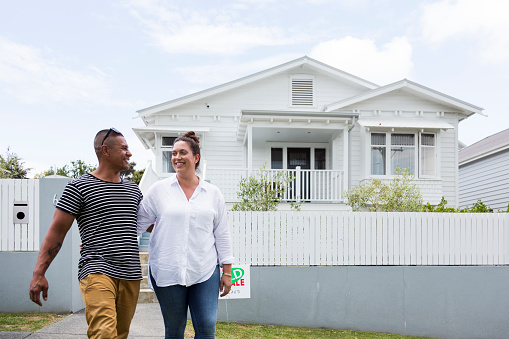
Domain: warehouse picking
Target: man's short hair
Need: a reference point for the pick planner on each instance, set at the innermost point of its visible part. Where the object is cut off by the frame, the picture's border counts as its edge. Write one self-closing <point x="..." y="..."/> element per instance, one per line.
<point x="102" y="136"/>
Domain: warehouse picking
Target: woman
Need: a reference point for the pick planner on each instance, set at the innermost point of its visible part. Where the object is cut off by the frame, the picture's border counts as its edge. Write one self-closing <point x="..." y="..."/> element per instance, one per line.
<point x="189" y="241"/>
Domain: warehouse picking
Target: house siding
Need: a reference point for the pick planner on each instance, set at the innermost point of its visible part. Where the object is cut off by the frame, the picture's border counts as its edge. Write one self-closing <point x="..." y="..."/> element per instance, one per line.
<point x="486" y="179"/>
<point x="448" y="163"/>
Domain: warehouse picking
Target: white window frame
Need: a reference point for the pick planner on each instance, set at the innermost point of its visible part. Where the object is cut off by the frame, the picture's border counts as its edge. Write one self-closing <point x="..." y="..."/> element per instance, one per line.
<point x="435" y="148"/>
<point x="417" y="153"/>
<point x="160" y="150"/>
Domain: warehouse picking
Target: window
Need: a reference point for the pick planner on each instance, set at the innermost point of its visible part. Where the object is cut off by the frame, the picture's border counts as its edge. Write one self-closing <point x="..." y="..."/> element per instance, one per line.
<point x="378" y="151"/>
<point x="427" y="155"/>
<point x="302" y="91"/>
<point x="166" y="150"/>
<point x="276" y="158"/>
<point x="303" y="157"/>
<point x="392" y="150"/>
<point x="320" y="158"/>
<point x="403" y="152"/>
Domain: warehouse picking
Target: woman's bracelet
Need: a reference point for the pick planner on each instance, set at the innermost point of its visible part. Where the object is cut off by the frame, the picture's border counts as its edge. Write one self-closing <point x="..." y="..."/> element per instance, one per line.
<point x="227" y="274"/>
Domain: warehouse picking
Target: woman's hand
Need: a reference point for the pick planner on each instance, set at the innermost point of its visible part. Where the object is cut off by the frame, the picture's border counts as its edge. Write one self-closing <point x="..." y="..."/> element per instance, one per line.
<point x="226" y="285"/>
<point x="226" y="280"/>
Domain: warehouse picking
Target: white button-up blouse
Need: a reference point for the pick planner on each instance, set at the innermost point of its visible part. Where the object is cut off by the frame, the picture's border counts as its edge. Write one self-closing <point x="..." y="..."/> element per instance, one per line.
<point x="190" y="237"/>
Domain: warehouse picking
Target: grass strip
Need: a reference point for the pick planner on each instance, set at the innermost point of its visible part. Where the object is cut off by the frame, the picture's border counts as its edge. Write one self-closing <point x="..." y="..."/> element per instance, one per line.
<point x="27" y="322"/>
<point x="253" y="331"/>
<point x="32" y="322"/>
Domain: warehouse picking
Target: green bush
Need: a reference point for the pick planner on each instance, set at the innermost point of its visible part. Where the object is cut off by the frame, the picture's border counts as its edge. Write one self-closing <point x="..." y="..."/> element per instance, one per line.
<point x="478" y="207"/>
<point x="262" y="192"/>
<point x="399" y="195"/>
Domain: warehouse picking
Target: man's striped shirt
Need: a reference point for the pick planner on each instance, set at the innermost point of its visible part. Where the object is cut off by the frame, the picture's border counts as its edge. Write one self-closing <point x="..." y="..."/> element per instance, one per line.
<point x="106" y="215"/>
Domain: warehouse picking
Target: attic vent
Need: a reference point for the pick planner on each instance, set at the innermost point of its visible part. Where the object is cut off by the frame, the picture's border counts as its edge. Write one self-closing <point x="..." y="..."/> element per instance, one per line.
<point x="302" y="92"/>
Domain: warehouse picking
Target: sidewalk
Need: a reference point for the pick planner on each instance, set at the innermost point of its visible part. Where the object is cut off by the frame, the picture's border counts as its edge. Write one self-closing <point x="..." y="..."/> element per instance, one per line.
<point x="147" y="324"/>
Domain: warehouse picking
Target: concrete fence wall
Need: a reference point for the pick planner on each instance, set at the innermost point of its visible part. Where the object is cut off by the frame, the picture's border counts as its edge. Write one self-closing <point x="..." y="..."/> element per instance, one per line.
<point x="17" y="267"/>
<point x="432" y="301"/>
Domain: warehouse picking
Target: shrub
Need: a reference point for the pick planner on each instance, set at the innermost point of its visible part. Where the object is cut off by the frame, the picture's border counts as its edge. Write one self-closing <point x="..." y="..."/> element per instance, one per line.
<point x="399" y="195"/>
<point x="262" y="191"/>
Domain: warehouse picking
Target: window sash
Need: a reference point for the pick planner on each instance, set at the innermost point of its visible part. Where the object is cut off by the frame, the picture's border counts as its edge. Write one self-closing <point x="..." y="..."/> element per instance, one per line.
<point x="402" y="153"/>
<point x="166" y="162"/>
<point x="276" y="158"/>
<point x="427" y="161"/>
<point x="407" y="151"/>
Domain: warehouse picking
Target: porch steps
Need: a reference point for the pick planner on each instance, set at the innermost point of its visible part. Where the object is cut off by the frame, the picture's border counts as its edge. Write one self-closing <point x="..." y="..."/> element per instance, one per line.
<point x="147" y="296"/>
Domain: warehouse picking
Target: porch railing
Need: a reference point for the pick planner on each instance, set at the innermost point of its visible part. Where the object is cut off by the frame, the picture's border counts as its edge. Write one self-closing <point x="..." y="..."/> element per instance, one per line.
<point x="308" y="185"/>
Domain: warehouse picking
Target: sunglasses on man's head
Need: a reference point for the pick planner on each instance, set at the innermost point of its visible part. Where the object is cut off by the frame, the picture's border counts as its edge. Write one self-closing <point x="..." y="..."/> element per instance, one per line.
<point x="108" y="134"/>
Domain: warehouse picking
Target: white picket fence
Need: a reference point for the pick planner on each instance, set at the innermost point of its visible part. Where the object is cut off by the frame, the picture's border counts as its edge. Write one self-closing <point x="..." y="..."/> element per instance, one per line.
<point x="289" y="238"/>
<point x="286" y="238"/>
<point x="19" y="236"/>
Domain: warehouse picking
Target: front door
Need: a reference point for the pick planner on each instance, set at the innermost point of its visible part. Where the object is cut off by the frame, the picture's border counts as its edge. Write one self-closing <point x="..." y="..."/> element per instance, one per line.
<point x="300" y="157"/>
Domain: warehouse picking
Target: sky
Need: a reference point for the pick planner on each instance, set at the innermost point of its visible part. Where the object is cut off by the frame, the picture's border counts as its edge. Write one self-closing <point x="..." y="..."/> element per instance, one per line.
<point x="71" y="68"/>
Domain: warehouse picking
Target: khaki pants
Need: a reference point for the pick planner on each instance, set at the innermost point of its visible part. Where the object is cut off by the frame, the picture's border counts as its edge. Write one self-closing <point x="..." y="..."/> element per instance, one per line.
<point x="109" y="305"/>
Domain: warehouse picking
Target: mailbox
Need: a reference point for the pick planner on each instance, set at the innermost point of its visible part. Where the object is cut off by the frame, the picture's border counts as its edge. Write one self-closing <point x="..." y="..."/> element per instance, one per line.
<point x="20" y="212"/>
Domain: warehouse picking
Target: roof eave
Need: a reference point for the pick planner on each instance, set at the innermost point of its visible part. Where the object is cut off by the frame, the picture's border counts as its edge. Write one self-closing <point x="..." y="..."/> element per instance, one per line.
<point x="465" y="107"/>
<point x="305" y="60"/>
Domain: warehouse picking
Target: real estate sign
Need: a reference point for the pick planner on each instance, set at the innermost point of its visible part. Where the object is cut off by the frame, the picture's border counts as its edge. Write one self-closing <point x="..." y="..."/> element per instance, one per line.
<point x="241" y="283"/>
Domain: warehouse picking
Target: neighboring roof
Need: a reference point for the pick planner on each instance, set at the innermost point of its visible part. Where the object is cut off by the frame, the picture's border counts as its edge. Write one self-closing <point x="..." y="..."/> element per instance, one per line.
<point x="301" y="62"/>
<point x="412" y="88"/>
<point x="404" y="123"/>
<point x="487" y="146"/>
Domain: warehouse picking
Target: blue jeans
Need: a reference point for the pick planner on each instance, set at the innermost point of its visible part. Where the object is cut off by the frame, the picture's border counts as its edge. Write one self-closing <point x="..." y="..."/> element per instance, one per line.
<point x="202" y="300"/>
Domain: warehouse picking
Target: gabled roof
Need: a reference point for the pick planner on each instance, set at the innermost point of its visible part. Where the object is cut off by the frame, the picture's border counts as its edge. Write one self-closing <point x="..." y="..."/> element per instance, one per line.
<point x="487" y="146"/>
<point x="304" y="62"/>
<point x="411" y="88"/>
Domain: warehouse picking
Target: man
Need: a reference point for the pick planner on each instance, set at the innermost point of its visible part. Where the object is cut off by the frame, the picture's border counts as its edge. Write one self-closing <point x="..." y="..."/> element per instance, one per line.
<point x="105" y="207"/>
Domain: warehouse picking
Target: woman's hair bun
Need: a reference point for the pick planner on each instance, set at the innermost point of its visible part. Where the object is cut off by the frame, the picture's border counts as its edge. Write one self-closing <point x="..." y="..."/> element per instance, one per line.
<point x="193" y="136"/>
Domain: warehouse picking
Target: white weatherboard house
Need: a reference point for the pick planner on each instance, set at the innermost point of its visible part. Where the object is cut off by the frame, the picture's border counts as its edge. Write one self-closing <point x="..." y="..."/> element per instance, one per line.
<point x="483" y="173"/>
<point x="330" y="129"/>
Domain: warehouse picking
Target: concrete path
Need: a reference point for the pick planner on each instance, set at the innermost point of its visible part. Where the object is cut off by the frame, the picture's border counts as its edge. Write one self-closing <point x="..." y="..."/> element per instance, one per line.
<point x="147" y="324"/>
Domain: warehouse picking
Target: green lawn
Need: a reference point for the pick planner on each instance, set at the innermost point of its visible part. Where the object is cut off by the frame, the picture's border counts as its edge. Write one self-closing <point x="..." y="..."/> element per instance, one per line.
<point x="31" y="322"/>
<point x="27" y="322"/>
<point x="252" y="331"/>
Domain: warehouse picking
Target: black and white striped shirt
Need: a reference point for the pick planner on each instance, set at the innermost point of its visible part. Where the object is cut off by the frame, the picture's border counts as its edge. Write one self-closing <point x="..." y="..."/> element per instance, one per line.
<point x="106" y="215"/>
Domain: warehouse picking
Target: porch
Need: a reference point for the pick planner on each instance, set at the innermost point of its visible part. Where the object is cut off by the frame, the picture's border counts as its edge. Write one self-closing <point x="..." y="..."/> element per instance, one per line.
<point x="315" y="186"/>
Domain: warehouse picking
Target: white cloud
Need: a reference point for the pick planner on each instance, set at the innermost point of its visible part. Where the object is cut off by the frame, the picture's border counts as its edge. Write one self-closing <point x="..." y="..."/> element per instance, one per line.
<point x="362" y="58"/>
<point x="208" y="31"/>
<point x="485" y="21"/>
<point x="31" y="77"/>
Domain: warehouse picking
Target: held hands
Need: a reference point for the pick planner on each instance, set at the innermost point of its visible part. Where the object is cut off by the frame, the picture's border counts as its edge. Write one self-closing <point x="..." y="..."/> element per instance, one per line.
<point x="226" y="284"/>
<point x="37" y="285"/>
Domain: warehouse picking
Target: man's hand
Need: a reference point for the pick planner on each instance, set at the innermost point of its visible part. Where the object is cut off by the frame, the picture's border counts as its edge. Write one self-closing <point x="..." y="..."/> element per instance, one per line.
<point x="37" y="285"/>
<point x="50" y="247"/>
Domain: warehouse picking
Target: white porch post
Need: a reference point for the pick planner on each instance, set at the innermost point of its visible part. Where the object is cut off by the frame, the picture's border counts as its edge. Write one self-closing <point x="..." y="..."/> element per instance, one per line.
<point x="346" y="163"/>
<point x="298" y="189"/>
<point x="249" y="148"/>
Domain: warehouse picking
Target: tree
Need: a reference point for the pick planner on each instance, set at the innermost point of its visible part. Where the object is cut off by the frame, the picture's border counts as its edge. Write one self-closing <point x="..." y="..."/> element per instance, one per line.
<point x="399" y="195"/>
<point x="75" y="169"/>
<point x="132" y="174"/>
<point x="263" y="191"/>
<point x="11" y="166"/>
